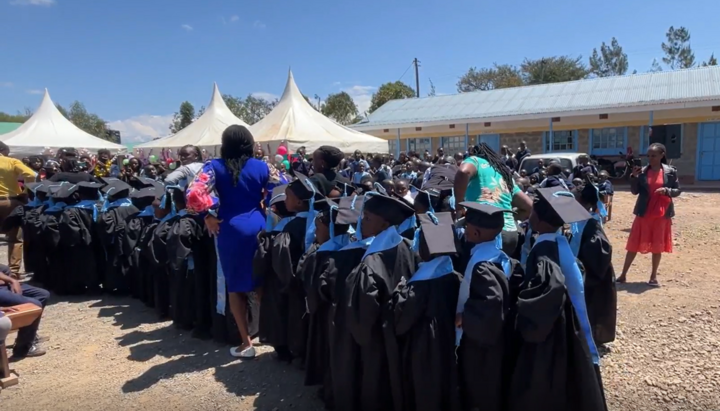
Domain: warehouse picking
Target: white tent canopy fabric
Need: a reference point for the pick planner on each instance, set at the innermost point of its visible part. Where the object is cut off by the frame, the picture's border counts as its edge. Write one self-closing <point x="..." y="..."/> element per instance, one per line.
<point x="47" y="129"/>
<point x="205" y="132"/>
<point x="295" y="121"/>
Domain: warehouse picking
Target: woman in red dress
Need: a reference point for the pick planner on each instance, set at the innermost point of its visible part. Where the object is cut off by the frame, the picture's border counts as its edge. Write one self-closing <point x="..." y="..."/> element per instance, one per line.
<point x="655" y="185"/>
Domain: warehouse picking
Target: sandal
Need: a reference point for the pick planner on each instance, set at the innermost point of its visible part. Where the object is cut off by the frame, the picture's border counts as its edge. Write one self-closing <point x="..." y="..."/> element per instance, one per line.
<point x="653" y="283"/>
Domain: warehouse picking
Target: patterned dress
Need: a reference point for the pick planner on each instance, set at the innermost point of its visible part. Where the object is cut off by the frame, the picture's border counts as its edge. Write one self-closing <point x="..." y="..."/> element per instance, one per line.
<point x="239" y="208"/>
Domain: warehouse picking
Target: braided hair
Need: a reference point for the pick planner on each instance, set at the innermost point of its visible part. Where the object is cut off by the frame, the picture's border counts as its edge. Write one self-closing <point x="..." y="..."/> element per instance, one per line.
<point x="485" y="152"/>
<point x="237" y="147"/>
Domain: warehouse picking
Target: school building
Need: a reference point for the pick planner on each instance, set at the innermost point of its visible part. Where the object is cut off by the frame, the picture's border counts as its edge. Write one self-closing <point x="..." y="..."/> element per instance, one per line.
<point x="600" y="116"/>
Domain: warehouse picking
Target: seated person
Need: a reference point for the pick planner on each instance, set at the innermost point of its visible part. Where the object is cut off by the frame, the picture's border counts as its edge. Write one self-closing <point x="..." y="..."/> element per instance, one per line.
<point x="12" y="293"/>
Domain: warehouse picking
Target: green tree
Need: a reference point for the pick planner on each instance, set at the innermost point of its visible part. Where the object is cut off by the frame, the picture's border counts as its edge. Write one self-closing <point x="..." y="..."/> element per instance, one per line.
<point x="89" y="122"/>
<point x="432" y="92"/>
<point x="712" y="61"/>
<point x="390" y="91"/>
<point x="678" y="53"/>
<point x="655" y="67"/>
<point x="250" y="109"/>
<point x="340" y="107"/>
<point x="553" y="70"/>
<point x="610" y="61"/>
<point x="17" y="118"/>
<point x="497" y="76"/>
<point x="183" y="118"/>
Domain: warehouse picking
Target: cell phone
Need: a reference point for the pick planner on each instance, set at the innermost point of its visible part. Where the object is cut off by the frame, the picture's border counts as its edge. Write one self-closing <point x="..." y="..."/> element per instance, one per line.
<point x="637" y="162"/>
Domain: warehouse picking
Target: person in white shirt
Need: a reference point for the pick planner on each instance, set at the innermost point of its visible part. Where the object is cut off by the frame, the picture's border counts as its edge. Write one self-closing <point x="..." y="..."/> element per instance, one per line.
<point x="190" y="164"/>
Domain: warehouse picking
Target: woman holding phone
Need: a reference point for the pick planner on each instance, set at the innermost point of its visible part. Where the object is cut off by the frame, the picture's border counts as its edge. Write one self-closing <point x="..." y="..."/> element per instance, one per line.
<point x="655" y="185"/>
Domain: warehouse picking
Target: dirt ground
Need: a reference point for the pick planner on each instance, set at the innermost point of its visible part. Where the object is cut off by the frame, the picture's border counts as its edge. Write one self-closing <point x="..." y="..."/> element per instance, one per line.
<point x="111" y="354"/>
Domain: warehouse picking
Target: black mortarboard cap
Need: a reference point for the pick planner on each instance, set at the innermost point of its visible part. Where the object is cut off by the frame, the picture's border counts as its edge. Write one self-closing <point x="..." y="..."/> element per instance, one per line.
<point x="116" y="189"/>
<point x="390" y="209"/>
<point x="33" y="186"/>
<point x="484" y="215"/>
<point x="278" y="194"/>
<point x="143" y="182"/>
<point x="349" y="210"/>
<point x="438" y="233"/>
<point x="44" y="187"/>
<point x="146" y="196"/>
<point x="323" y="204"/>
<point x="89" y="188"/>
<point x="63" y="191"/>
<point x="556" y="206"/>
<point x="442" y="177"/>
<point x="304" y="186"/>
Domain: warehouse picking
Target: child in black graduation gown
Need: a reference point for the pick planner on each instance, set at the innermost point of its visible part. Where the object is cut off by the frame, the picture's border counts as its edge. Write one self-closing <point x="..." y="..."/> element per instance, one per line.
<point x="592" y="247"/>
<point x="79" y="241"/>
<point x="556" y="360"/>
<point x="296" y="238"/>
<point x="329" y="237"/>
<point x="368" y="296"/>
<point x="111" y="229"/>
<point x="484" y="310"/>
<point x="424" y="307"/>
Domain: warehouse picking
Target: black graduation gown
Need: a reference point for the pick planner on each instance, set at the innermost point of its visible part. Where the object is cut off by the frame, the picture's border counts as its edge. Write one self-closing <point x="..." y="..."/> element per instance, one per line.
<point x="287" y="250"/>
<point x="190" y="300"/>
<point x="157" y="247"/>
<point x="600" y="294"/>
<point x="207" y="319"/>
<point x="111" y="230"/>
<point x="135" y="226"/>
<point x="77" y="234"/>
<point x="371" y="322"/>
<point x="553" y="369"/>
<point x="273" y="314"/>
<point x="50" y="237"/>
<point x="425" y="324"/>
<point x="36" y="227"/>
<point x="316" y="353"/>
<point x="146" y="261"/>
<point x="340" y="386"/>
<point x="488" y="325"/>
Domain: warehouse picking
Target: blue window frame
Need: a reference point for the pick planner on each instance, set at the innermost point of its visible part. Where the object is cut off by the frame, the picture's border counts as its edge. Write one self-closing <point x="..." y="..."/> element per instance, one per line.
<point x="392" y="146"/>
<point x="608" y="141"/>
<point x="563" y="140"/>
<point x="419" y="145"/>
<point x="492" y="140"/>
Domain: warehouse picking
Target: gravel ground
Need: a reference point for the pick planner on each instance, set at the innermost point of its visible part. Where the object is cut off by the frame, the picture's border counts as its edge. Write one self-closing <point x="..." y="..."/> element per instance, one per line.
<point x="110" y="354"/>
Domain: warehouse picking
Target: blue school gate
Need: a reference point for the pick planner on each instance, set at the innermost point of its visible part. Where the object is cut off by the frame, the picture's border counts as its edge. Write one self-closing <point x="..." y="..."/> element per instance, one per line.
<point x="708" y="159"/>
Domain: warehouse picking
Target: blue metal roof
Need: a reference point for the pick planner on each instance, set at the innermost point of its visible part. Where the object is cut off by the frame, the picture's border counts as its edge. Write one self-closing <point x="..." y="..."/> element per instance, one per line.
<point x="680" y="86"/>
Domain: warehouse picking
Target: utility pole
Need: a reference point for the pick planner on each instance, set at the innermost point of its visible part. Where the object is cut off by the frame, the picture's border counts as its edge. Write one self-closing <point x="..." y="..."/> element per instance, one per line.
<point x="416" y="62"/>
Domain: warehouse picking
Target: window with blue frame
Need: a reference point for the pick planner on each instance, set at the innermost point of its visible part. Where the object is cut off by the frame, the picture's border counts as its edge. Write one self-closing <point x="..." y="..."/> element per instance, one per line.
<point x="453" y="144"/>
<point x="492" y="140"/>
<point x="392" y="146"/>
<point x="563" y="140"/>
<point x="608" y="141"/>
<point x="419" y="145"/>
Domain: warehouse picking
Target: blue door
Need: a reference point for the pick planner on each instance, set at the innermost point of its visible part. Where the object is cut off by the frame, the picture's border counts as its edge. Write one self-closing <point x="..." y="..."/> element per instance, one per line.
<point x="709" y="151"/>
<point x="492" y="140"/>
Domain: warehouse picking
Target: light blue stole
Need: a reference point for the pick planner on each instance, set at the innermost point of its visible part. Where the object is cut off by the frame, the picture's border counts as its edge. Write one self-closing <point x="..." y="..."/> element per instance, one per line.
<point x="147" y="211"/>
<point x="574" y="285"/>
<point x="281" y="224"/>
<point x="435" y="268"/>
<point x="363" y="243"/>
<point x="336" y="243"/>
<point x="56" y="207"/>
<point x="487" y="251"/>
<point x="576" y="229"/>
<point x="384" y="241"/>
<point x="410" y="222"/>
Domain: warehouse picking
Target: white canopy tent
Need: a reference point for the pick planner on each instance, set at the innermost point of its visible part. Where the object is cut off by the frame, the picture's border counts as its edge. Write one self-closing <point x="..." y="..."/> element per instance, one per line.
<point x="49" y="129"/>
<point x="205" y="132"/>
<point x="295" y="121"/>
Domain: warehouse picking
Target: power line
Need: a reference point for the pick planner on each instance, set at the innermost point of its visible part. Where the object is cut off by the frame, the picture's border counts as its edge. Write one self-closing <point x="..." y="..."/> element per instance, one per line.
<point x="406" y="70"/>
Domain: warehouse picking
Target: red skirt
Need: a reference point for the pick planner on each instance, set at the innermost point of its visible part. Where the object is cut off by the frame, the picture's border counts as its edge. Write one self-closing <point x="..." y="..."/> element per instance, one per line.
<point x="650" y="235"/>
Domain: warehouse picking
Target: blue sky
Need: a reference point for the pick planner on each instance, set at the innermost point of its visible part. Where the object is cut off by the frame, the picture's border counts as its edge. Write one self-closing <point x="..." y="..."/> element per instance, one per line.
<point x="134" y="61"/>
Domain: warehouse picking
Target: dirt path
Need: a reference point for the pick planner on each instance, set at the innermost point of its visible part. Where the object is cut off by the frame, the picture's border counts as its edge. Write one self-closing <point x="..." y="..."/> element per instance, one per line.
<point x="109" y="354"/>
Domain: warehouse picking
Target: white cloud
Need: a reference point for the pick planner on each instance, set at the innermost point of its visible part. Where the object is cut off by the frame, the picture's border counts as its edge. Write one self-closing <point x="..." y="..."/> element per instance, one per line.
<point x="362" y="95"/>
<point x="265" y="95"/>
<point x="233" y="19"/>
<point x="187" y="27"/>
<point x="34" y="91"/>
<point x="140" y="129"/>
<point x="32" y="2"/>
<point x="259" y="24"/>
<point x="6" y="84"/>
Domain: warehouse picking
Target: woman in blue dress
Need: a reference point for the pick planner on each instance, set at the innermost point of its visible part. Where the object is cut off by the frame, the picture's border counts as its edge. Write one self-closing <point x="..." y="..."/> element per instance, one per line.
<point x="231" y="190"/>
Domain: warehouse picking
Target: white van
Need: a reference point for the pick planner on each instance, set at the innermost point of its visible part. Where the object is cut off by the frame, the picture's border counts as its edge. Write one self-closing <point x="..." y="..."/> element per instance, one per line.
<point x="568" y="160"/>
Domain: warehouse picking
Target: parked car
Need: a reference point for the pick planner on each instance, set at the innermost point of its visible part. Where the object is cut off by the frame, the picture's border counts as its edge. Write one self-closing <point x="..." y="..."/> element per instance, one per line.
<point x="568" y="160"/>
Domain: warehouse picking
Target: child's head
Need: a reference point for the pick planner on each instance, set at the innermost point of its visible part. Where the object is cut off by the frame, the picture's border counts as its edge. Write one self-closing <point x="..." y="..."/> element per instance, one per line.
<point x="523" y="173"/>
<point x="577" y="182"/>
<point x="483" y="222"/>
<point x="381" y="212"/>
<point x="603" y="176"/>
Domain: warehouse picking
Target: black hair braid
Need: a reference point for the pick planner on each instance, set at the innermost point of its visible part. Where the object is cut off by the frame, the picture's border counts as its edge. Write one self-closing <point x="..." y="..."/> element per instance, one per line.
<point x="237" y="147"/>
<point x="235" y="165"/>
<point x="484" y="151"/>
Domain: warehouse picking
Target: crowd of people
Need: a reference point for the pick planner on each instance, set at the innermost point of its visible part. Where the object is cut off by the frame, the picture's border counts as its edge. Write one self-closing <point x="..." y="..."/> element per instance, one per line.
<point x="417" y="283"/>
